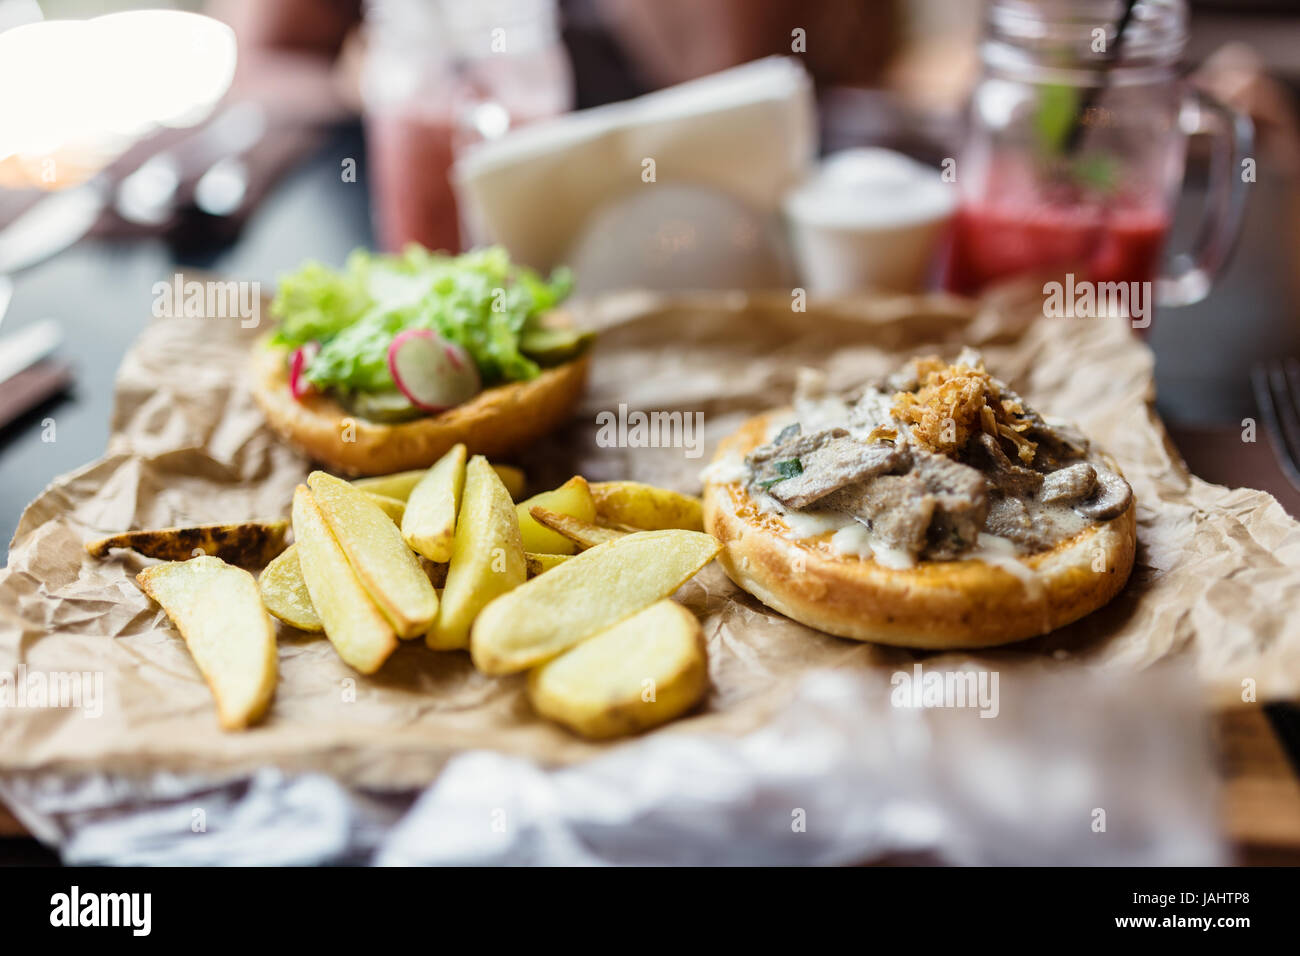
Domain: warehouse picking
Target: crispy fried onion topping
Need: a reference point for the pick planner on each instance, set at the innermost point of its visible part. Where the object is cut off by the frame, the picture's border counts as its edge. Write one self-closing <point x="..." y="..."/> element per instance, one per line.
<point x="952" y="402"/>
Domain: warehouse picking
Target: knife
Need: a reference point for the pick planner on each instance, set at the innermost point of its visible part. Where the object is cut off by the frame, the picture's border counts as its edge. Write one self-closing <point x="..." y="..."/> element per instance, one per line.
<point x="6" y="294"/>
<point x="51" y="225"/>
<point x="27" y="347"/>
<point x="28" y="376"/>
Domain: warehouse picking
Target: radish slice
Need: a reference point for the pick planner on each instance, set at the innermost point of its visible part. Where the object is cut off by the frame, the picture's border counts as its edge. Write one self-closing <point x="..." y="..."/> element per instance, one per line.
<point x="430" y="371"/>
<point x="298" y="362"/>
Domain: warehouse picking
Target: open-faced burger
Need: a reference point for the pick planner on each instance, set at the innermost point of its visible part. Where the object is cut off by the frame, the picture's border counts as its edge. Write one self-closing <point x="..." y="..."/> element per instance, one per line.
<point x="935" y="509"/>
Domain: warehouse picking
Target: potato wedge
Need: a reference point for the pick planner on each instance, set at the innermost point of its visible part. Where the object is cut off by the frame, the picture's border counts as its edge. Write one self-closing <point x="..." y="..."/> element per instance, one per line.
<point x="351" y="620"/>
<point x="640" y="673"/>
<point x="586" y="594"/>
<point x="397" y="485"/>
<point x="540" y="563"/>
<point x="429" y="525"/>
<point x="249" y="543"/>
<point x="400" y="484"/>
<point x="646" y="507"/>
<point x="571" y="498"/>
<point x="486" y="561"/>
<point x="582" y="533"/>
<point x="284" y="592"/>
<point x="386" y="567"/>
<point x="218" y="611"/>
<point x="395" y="508"/>
<point x="513" y="478"/>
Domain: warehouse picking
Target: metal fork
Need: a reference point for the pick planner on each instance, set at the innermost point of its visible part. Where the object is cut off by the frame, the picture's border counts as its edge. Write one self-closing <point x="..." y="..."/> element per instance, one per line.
<point x="1277" y="392"/>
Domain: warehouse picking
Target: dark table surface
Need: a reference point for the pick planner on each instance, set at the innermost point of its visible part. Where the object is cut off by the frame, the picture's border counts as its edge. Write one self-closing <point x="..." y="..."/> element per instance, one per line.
<point x="101" y="294"/>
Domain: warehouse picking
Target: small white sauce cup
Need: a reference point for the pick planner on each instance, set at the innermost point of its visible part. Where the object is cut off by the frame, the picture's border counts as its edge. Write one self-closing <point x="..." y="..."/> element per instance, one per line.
<point x="868" y="220"/>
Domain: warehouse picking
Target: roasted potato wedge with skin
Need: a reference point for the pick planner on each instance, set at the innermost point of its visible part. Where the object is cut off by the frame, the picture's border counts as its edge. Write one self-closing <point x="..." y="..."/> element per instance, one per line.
<point x="582" y="533"/>
<point x="642" y="672"/>
<point x="571" y="498"/>
<point x="351" y="620"/>
<point x="400" y="484"/>
<point x="429" y="525"/>
<point x="248" y="544"/>
<point x="219" y="612"/>
<point x="395" y="508"/>
<point x="586" y="594"/>
<point x="386" y="567"/>
<point x="646" y="507"/>
<point x="541" y="563"/>
<point x="437" y="572"/>
<point x="486" y="561"/>
<point x="284" y="592"/>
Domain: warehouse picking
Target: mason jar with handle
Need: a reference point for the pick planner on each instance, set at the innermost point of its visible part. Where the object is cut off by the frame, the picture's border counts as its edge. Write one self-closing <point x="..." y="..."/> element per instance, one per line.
<point x="1075" y="151"/>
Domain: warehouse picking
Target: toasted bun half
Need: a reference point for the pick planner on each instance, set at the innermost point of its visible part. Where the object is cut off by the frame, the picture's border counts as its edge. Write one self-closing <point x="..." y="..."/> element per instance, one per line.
<point x="495" y="422"/>
<point x="935" y="605"/>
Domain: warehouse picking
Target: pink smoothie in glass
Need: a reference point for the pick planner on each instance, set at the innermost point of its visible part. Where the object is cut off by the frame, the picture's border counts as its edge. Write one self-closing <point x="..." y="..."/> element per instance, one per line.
<point x="410" y="157"/>
<point x="413" y="144"/>
<point x="999" y="239"/>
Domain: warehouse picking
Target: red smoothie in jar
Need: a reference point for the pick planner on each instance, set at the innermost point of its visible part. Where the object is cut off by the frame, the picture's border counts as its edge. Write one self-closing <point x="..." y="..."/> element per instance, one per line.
<point x="1002" y="238"/>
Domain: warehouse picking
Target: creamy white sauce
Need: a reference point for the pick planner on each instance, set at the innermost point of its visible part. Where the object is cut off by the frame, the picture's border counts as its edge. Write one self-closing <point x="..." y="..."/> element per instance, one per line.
<point x="895" y="558"/>
<point x="819" y="414"/>
<point x="1003" y="553"/>
<point x="874" y="408"/>
<point x="809" y="524"/>
<point x="854" y="539"/>
<point x="727" y="470"/>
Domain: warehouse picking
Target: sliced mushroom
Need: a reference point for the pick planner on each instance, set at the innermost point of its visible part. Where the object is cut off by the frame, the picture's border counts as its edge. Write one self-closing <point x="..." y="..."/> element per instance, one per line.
<point x="1111" y="499"/>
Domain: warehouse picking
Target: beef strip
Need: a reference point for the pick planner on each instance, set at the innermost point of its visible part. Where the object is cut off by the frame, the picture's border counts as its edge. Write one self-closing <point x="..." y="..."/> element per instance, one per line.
<point x="1058" y="445"/>
<point x="1003" y="474"/>
<point x="937" y="504"/>
<point x="832" y="466"/>
<point x="795" y="446"/>
<point x="1070" y="483"/>
<point x="896" y="508"/>
<point x="790" y="444"/>
<point x="1009" y="518"/>
<point x="961" y="502"/>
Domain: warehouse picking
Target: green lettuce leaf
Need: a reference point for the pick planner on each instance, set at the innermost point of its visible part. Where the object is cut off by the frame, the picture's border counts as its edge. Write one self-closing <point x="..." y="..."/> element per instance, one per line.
<point x="317" y="302"/>
<point x="479" y="300"/>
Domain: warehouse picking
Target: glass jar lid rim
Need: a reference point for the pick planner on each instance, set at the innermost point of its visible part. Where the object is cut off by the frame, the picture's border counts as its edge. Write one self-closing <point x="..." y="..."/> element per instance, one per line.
<point x="1080" y="34"/>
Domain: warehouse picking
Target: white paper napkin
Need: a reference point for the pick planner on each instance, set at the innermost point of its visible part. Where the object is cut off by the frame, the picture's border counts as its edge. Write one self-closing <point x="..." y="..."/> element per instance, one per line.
<point x="743" y="136"/>
<point x="1074" y="769"/>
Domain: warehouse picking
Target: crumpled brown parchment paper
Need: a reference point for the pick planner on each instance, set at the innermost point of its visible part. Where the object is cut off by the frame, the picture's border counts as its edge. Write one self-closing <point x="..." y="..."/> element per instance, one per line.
<point x="1217" y="578"/>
